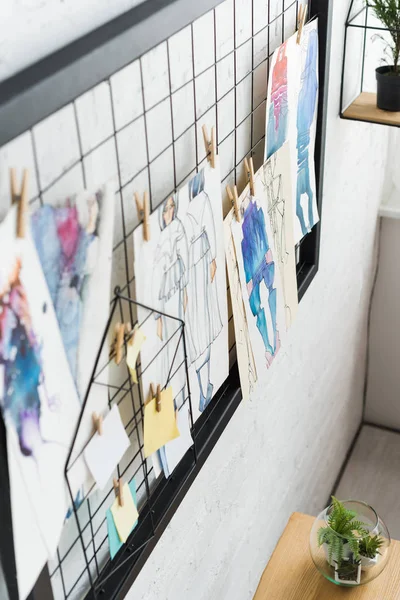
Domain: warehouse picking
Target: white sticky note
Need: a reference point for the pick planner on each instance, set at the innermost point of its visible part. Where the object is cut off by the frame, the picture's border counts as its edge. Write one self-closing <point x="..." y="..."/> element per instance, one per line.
<point x="176" y="449"/>
<point x="103" y="452"/>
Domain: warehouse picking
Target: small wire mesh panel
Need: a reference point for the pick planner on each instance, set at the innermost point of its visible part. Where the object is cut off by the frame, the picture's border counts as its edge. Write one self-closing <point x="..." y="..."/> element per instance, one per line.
<point x="142" y="130"/>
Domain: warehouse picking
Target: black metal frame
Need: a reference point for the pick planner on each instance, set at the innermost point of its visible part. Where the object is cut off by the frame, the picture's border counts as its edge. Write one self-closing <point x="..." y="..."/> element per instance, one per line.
<point x="47" y="86"/>
<point x="365" y="27"/>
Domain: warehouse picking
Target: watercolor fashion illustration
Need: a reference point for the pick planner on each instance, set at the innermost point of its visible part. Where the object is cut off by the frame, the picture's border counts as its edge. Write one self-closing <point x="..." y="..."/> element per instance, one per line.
<point x="278" y="110"/>
<point x="67" y="249"/>
<point x="259" y="268"/>
<point x="185" y="263"/>
<point x="305" y="117"/>
<point x="20" y="359"/>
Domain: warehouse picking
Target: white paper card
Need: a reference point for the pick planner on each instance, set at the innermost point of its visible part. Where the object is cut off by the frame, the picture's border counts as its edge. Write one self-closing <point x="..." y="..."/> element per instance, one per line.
<point x="103" y="452"/>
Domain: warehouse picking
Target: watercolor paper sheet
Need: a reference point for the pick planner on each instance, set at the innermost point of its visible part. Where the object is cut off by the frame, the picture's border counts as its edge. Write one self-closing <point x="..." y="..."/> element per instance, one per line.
<point x="180" y="271"/>
<point x="74" y="244"/>
<point x="291" y="115"/>
<point x="276" y="179"/>
<point x="244" y="351"/>
<point x="39" y="413"/>
<point x="259" y="276"/>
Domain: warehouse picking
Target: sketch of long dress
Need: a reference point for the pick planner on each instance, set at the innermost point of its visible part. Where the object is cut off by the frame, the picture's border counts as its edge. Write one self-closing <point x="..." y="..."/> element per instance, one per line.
<point x="170" y="283"/>
<point x="204" y="322"/>
<point x="305" y="116"/>
<point x="278" y="110"/>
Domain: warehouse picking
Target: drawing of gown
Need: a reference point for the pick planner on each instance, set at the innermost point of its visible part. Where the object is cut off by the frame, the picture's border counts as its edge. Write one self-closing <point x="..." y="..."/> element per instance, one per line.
<point x="305" y="116"/>
<point x="259" y="268"/>
<point x="204" y="322"/>
<point x="278" y="109"/>
<point x="170" y="282"/>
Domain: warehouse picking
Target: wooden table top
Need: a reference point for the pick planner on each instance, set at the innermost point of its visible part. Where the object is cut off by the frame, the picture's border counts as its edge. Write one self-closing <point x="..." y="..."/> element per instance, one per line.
<point x="292" y="575"/>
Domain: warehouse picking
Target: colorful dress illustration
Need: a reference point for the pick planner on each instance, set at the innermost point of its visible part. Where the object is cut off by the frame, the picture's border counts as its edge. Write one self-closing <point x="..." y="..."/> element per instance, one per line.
<point x="66" y="250"/>
<point x="278" y="110"/>
<point x="259" y="269"/>
<point x="204" y="322"/>
<point x="305" y="117"/>
<point x="23" y="382"/>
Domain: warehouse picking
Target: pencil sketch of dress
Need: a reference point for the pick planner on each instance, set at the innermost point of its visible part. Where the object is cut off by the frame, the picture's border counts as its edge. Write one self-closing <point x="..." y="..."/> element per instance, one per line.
<point x="276" y="179"/>
<point x="180" y="271"/>
<point x="170" y="284"/>
<point x="305" y="117"/>
<point x="204" y="318"/>
<point x="278" y="110"/>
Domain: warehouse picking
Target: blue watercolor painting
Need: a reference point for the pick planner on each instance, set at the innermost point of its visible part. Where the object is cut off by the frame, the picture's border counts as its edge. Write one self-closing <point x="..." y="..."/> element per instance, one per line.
<point x="259" y="268"/>
<point x="305" y="118"/>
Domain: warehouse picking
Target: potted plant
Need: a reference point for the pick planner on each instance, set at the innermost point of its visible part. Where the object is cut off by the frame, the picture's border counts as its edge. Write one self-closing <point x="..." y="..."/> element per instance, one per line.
<point x="349" y="571"/>
<point x="369" y="550"/>
<point x="388" y="76"/>
<point x="340" y="538"/>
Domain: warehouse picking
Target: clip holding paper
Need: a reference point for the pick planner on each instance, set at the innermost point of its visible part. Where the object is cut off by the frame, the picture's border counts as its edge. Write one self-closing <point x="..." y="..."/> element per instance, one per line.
<point x="301" y="19"/>
<point x="248" y="165"/>
<point x="98" y="423"/>
<point x="22" y="198"/>
<point x="143" y="212"/>
<point x="210" y="145"/>
<point x="156" y="393"/>
<point x="118" y="489"/>
<point x="233" y="197"/>
<point x="118" y="340"/>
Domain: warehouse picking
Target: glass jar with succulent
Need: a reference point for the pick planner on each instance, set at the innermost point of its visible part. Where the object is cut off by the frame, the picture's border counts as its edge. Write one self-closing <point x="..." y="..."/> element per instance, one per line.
<point x="369" y="550"/>
<point x="346" y="539"/>
<point x="388" y="76"/>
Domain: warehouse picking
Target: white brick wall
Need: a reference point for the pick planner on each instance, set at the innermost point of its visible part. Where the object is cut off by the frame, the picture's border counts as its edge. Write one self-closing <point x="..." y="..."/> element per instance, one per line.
<point x="281" y="451"/>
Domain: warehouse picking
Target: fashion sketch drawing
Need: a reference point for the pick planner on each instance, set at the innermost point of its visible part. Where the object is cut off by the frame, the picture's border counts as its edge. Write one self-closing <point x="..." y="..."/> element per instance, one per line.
<point x="186" y="260"/>
<point x="276" y="179"/>
<point x="244" y="351"/>
<point x="40" y="415"/>
<point x="277" y="117"/>
<point x="258" y="272"/>
<point x="306" y="109"/>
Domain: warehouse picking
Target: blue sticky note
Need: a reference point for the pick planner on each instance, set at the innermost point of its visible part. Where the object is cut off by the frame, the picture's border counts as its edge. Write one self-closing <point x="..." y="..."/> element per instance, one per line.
<point x="113" y="538"/>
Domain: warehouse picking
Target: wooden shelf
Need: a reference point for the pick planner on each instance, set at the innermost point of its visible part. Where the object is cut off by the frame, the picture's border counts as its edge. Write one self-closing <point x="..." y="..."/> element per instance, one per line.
<point x="364" y="109"/>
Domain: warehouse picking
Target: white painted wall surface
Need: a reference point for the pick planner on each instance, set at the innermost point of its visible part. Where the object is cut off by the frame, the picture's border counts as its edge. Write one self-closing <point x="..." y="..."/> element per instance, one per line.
<point x="282" y="451"/>
<point x="31" y="29"/>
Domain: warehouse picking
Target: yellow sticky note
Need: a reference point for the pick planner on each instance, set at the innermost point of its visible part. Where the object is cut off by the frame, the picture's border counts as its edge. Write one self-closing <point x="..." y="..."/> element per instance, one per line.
<point x="134" y="347"/>
<point x="124" y="516"/>
<point x="159" y="427"/>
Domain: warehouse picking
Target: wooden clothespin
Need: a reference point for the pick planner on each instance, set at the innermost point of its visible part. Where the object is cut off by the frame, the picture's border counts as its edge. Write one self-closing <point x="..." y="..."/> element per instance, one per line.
<point x="118" y="489"/>
<point x="248" y="165"/>
<point x="118" y="340"/>
<point x="143" y="212"/>
<point x="98" y="423"/>
<point x="210" y="145"/>
<point x="301" y="19"/>
<point x="156" y="393"/>
<point x="22" y="198"/>
<point x="233" y="197"/>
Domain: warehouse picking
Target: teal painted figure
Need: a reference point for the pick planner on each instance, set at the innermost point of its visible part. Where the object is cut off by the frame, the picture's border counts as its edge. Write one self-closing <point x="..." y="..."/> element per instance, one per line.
<point x="260" y="270"/>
